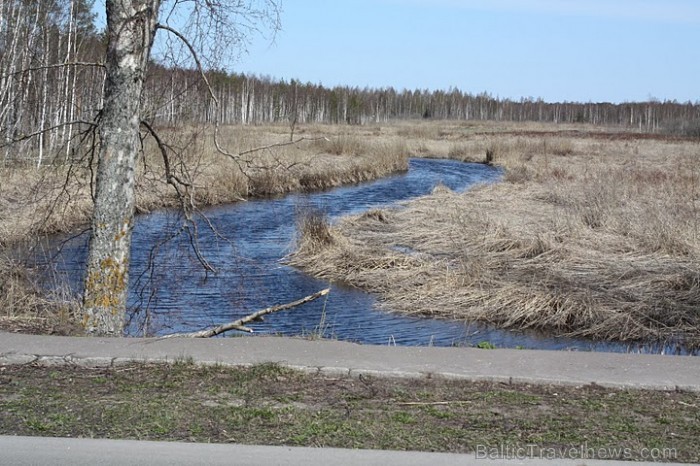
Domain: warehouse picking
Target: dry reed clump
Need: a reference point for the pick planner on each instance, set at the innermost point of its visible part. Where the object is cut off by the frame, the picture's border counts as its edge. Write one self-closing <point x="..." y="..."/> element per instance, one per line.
<point x="458" y="150"/>
<point x="41" y="201"/>
<point x="26" y="307"/>
<point x="601" y="242"/>
<point x="561" y="147"/>
<point x="331" y="248"/>
<point x="313" y="230"/>
<point x="343" y="144"/>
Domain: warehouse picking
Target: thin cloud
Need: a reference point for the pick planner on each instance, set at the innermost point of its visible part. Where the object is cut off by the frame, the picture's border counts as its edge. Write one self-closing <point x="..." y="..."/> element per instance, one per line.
<point x="668" y="11"/>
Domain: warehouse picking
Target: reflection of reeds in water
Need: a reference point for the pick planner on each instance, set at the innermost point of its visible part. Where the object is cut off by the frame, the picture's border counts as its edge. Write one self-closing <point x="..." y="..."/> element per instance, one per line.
<point x="590" y="238"/>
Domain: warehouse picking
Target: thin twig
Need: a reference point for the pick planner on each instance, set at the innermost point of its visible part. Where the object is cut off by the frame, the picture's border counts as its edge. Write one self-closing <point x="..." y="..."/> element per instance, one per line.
<point x="24" y="137"/>
<point x="57" y="65"/>
<point x="195" y="57"/>
<point x="170" y="177"/>
<point x="281" y="144"/>
<point x="186" y="199"/>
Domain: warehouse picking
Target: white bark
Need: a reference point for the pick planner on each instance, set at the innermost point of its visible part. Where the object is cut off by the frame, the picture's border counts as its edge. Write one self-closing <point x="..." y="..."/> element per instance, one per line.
<point x="131" y="26"/>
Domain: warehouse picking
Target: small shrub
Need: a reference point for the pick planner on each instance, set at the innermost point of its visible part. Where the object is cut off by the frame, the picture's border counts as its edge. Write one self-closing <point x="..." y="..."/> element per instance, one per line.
<point x="489" y="156"/>
<point x="561" y="147"/>
<point x="493" y="150"/>
<point x="485" y="345"/>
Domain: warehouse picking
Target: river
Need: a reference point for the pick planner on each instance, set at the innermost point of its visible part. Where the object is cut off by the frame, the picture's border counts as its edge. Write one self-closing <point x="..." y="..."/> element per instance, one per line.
<point x="171" y="292"/>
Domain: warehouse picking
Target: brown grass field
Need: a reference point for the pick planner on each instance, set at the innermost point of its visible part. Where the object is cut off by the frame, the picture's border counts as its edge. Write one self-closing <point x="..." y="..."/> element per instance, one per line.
<point x="591" y="233"/>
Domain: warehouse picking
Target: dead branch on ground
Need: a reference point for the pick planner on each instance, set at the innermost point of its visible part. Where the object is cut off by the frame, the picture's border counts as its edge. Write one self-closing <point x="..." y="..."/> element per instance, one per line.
<point x="240" y="323"/>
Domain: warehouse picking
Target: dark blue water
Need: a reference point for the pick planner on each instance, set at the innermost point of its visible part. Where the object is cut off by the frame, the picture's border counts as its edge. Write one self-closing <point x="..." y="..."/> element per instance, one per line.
<point x="170" y="291"/>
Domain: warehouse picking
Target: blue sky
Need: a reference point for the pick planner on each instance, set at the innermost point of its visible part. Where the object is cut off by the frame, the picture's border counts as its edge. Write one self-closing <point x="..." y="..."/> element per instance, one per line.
<point x="575" y="50"/>
<point x="559" y="50"/>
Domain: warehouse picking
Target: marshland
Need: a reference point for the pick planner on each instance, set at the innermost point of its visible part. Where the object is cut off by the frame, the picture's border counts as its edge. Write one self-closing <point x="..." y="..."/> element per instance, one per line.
<point x="591" y="232"/>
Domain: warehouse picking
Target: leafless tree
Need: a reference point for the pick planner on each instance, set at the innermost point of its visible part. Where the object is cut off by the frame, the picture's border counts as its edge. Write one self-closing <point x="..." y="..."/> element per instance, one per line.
<point x="45" y="51"/>
<point x="206" y="29"/>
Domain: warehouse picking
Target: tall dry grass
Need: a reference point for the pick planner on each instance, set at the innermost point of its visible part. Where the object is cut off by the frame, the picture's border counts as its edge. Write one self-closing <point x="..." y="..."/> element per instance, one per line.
<point x="324" y="157"/>
<point x="586" y="236"/>
<point x="27" y="307"/>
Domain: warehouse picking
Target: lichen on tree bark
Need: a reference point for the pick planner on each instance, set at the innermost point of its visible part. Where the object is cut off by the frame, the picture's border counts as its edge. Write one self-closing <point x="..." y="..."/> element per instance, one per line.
<point x="131" y="26"/>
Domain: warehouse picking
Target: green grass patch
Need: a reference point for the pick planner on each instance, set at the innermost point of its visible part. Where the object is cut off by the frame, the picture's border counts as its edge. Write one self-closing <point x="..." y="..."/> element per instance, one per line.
<point x="269" y="404"/>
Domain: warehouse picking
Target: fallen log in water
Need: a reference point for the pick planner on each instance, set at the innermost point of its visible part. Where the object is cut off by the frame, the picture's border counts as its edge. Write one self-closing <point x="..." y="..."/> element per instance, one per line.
<point x="240" y="323"/>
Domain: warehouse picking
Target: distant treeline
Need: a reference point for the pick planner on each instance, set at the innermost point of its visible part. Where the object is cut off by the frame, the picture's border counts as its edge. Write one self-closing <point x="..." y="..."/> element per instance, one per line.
<point x="51" y="83"/>
<point x="179" y="96"/>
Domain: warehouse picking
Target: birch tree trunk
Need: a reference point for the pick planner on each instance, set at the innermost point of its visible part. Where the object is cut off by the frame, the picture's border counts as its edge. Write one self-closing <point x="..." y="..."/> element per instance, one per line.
<point x="131" y="27"/>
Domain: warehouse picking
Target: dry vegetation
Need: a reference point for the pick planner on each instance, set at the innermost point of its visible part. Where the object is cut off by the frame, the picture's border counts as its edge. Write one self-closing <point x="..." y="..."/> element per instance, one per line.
<point x="590" y="233"/>
<point x="25" y="307"/>
<point x="56" y="198"/>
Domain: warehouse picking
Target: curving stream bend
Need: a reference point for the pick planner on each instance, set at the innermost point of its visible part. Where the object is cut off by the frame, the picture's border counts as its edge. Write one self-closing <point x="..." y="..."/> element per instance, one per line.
<point x="171" y="292"/>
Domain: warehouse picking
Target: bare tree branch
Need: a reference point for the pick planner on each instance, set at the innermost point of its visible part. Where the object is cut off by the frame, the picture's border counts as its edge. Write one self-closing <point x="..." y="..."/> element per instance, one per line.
<point x="186" y="198"/>
<point x="24" y="137"/>
<point x="48" y="67"/>
<point x="171" y="178"/>
<point x="281" y="144"/>
<point x="195" y="57"/>
<point x="240" y="323"/>
<point x="202" y="73"/>
<point x="236" y="157"/>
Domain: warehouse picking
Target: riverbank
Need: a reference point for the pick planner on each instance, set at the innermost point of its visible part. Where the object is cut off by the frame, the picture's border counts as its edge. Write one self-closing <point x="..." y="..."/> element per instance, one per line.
<point x="590" y="234"/>
<point x="56" y="198"/>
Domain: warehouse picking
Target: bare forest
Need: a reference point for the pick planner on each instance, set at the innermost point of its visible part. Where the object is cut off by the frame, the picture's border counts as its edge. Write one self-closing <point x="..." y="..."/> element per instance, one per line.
<point x="52" y="74"/>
